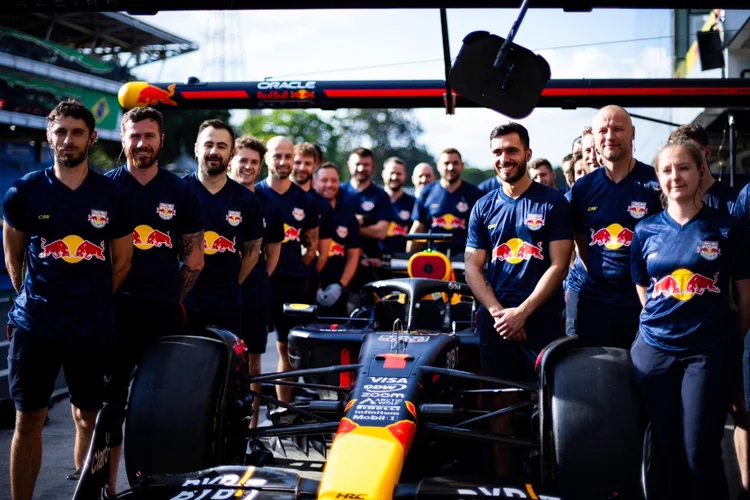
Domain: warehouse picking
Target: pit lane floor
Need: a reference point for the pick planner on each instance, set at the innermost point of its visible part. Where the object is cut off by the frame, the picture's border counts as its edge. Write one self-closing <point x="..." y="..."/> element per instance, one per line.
<point x="59" y="433"/>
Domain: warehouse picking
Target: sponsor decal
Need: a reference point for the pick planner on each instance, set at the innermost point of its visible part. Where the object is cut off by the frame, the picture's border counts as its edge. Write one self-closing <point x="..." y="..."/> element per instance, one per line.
<point x="298" y="214"/>
<point x="515" y="251"/>
<point x="367" y="205"/>
<point x="234" y="217"/>
<point x="638" y="209"/>
<point x="534" y="222"/>
<point x="404" y="214"/>
<point x="71" y="249"/>
<point x="214" y="242"/>
<point x="405" y="338"/>
<point x="683" y="284"/>
<point x="612" y="237"/>
<point x="342" y="231"/>
<point x="462" y="206"/>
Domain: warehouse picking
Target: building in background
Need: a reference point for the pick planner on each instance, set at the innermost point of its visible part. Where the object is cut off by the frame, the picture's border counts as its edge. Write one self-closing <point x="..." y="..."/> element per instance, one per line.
<point x="723" y="51"/>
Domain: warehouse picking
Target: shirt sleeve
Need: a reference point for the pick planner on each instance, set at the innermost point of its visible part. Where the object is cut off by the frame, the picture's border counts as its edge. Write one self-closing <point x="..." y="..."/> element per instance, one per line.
<point x="353" y="239"/>
<point x="14" y="212"/>
<point x="740" y="207"/>
<point x="191" y="215"/>
<point x="420" y="213"/>
<point x="252" y="219"/>
<point x="274" y="225"/>
<point x="638" y="269"/>
<point x="478" y="236"/>
<point x="739" y="239"/>
<point x="561" y="221"/>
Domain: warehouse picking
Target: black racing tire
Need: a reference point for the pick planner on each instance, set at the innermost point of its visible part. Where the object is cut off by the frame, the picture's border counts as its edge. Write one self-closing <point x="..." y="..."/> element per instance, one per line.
<point x="597" y="423"/>
<point x="174" y="414"/>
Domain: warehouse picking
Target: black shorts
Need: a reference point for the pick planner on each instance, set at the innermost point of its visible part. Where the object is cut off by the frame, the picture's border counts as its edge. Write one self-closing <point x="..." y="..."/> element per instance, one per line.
<point x="285" y="290"/>
<point x="34" y="362"/>
<point x="510" y="359"/>
<point x="255" y="327"/>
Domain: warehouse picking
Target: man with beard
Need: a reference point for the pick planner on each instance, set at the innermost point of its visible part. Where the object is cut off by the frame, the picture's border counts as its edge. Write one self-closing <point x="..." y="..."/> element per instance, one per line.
<point x="233" y="232"/>
<point x="344" y="248"/>
<point x="607" y="204"/>
<point x="588" y="150"/>
<point x="72" y="228"/>
<point x="394" y="176"/>
<point x="256" y="289"/>
<point x="300" y="218"/>
<point x="444" y="207"/>
<point x="168" y="228"/>
<point x="524" y="233"/>
<point x="541" y="171"/>
<point x="422" y="175"/>
<point x="306" y="160"/>
<point x="372" y="208"/>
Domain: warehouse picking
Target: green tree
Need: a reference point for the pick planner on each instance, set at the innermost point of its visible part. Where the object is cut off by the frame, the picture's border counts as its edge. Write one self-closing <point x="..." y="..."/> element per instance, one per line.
<point x="476" y="176"/>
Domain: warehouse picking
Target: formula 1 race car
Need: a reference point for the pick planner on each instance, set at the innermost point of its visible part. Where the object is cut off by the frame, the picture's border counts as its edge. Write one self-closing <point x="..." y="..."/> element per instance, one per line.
<point x="395" y="412"/>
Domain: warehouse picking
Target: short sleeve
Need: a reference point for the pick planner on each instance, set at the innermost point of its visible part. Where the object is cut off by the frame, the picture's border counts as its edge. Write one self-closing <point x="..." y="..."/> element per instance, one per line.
<point x="740" y="211"/>
<point x="419" y="212"/>
<point x="252" y="219"/>
<point x="122" y="223"/>
<point x="478" y="236"/>
<point x="14" y="212"/>
<point x="739" y="240"/>
<point x="353" y="239"/>
<point x="560" y="221"/>
<point x="638" y="269"/>
<point x="274" y="225"/>
<point x="191" y="215"/>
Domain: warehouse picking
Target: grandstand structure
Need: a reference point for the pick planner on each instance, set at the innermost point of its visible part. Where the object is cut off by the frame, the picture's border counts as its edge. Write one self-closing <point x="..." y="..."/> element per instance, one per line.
<point x="47" y="57"/>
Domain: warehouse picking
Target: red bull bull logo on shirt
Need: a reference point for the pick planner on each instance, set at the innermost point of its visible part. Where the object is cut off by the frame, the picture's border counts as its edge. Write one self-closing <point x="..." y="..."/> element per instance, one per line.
<point x="683" y="284"/>
<point x="166" y="211"/>
<point x="396" y="230"/>
<point x="145" y="237"/>
<point x="72" y="249"/>
<point x="638" y="209"/>
<point x="234" y="217"/>
<point x="534" y="221"/>
<point x="448" y="221"/>
<point x="515" y="251"/>
<point x="214" y="242"/>
<point x="98" y="218"/>
<point x="291" y="233"/>
<point x="612" y="237"/>
<point x="336" y="250"/>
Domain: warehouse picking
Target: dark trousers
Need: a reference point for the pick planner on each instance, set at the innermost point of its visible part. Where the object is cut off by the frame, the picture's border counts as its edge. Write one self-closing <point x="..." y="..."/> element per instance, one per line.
<point x="687" y="398"/>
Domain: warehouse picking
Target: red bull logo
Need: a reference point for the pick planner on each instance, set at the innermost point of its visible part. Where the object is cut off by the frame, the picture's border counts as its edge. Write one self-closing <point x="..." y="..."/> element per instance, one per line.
<point x="342" y="231"/>
<point x="397" y="230"/>
<point x="448" y="221"/>
<point x="612" y="237"/>
<point x="534" y="222"/>
<point x="214" y="242"/>
<point x="515" y="251"/>
<point x="336" y="250"/>
<point x="683" y="284"/>
<point x="303" y="95"/>
<point x="234" y="217"/>
<point x="98" y="218"/>
<point x="166" y="211"/>
<point x="152" y="95"/>
<point x="291" y="233"/>
<point x="638" y="210"/>
<point x="145" y="237"/>
<point x="709" y="250"/>
<point x="72" y="249"/>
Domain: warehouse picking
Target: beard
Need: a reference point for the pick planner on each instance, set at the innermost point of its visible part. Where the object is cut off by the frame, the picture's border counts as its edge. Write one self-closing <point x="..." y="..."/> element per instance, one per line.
<point x="71" y="161"/>
<point x="214" y="165"/>
<point x="140" y="162"/>
<point x="300" y="177"/>
<point x="512" y="179"/>
<point x="395" y="185"/>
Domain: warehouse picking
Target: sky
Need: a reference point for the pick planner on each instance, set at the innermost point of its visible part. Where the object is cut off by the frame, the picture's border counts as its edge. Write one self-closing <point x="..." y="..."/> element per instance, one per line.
<point x="406" y="45"/>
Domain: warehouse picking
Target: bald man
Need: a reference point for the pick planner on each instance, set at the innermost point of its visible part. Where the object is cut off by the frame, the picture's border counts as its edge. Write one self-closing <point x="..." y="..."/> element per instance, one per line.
<point x="606" y="205"/>
<point x="423" y="174"/>
<point x="300" y="218"/>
